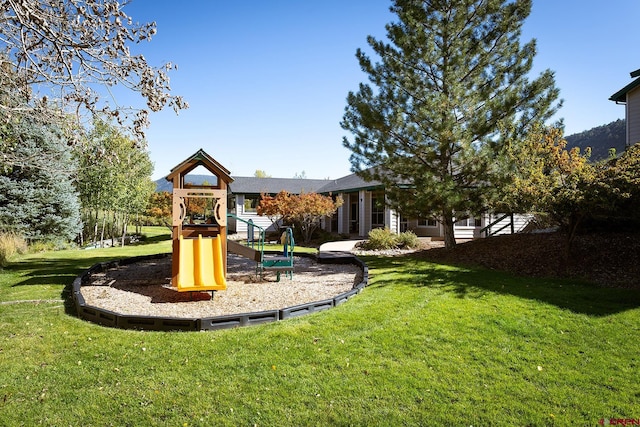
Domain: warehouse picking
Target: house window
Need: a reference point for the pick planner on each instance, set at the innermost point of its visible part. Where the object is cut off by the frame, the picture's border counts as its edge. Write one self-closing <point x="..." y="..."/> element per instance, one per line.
<point x="468" y="222"/>
<point x="251" y="203"/>
<point x="404" y="224"/>
<point x="427" y="222"/>
<point x="377" y="210"/>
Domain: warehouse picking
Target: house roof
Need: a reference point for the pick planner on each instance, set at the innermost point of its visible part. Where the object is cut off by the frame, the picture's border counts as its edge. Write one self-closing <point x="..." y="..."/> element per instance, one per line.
<point x="253" y="185"/>
<point x="348" y="183"/>
<point x="621" y="95"/>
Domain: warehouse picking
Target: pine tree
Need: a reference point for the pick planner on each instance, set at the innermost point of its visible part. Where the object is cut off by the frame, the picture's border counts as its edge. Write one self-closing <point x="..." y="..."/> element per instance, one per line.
<point x="37" y="196"/>
<point x="451" y="88"/>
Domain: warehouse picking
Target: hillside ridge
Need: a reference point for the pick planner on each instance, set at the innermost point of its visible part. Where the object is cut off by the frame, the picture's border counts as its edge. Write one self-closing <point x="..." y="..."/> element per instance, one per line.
<point x="600" y="139"/>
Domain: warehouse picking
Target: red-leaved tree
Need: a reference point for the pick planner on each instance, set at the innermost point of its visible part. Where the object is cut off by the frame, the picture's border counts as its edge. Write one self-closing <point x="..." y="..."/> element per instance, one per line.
<point x="160" y="208"/>
<point x="304" y="211"/>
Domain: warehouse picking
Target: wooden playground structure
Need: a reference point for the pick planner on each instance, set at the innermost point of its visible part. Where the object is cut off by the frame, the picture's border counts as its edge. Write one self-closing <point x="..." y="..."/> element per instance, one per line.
<point x="199" y="227"/>
<point x="199" y="231"/>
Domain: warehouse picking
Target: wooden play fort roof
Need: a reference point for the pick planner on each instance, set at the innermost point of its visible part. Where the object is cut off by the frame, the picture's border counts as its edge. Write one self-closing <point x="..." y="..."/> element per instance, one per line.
<point x="200" y="158"/>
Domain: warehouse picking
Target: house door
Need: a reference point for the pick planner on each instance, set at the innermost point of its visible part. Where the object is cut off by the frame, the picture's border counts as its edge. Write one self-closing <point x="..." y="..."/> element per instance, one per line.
<point x="354" y="213"/>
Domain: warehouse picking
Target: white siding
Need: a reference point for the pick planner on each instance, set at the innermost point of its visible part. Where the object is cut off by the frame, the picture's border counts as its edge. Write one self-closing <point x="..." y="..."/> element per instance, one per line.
<point x="493" y="230"/>
<point x="392" y="220"/>
<point x="241" y="227"/>
<point x="364" y="199"/>
<point x="466" y="232"/>
<point x="520" y="221"/>
<point x="365" y="212"/>
<point x="261" y="221"/>
<point x="343" y="215"/>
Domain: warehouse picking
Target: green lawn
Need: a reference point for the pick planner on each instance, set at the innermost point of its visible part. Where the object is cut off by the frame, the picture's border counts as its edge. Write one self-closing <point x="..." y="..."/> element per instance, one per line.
<point x="422" y="345"/>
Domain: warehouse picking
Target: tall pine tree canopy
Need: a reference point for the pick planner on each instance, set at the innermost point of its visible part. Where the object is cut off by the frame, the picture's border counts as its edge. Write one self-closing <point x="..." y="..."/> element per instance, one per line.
<point x="451" y="88"/>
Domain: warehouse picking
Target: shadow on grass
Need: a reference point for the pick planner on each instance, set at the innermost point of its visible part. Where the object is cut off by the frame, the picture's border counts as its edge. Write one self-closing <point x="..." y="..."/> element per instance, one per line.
<point x="578" y="297"/>
<point x="55" y="272"/>
<point x="52" y="270"/>
<point x="61" y="271"/>
<point x="154" y="239"/>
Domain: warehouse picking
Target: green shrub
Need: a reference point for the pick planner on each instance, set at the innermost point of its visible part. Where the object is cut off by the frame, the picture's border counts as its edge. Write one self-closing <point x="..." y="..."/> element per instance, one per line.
<point x="39" y="246"/>
<point x="10" y="244"/>
<point x="408" y="240"/>
<point x="49" y="245"/>
<point x="381" y="239"/>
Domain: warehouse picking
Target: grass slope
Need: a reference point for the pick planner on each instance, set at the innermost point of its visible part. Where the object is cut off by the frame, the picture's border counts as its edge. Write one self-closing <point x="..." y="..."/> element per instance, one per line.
<point x="424" y="344"/>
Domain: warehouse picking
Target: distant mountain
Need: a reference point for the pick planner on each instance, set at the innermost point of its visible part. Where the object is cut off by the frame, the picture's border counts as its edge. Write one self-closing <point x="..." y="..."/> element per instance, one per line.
<point x="163" y="185"/>
<point x="600" y="139"/>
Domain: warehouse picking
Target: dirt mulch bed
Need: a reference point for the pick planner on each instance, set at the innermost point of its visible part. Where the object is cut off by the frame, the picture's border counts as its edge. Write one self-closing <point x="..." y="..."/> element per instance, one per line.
<point x="144" y="288"/>
<point x="606" y="259"/>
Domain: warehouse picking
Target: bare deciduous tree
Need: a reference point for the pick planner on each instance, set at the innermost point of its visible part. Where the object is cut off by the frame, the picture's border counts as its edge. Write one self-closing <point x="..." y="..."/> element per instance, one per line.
<point x="55" y="53"/>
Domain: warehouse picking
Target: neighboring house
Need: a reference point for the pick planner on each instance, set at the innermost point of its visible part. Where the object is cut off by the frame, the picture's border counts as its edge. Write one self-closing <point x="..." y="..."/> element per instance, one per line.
<point x="629" y="96"/>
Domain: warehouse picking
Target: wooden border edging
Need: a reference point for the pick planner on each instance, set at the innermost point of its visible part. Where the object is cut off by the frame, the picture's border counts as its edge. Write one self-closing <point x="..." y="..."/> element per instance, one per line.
<point x="109" y="318"/>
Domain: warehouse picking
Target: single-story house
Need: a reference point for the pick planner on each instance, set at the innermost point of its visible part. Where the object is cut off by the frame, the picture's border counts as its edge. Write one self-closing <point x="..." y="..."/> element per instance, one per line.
<point x="363" y="208"/>
<point x="629" y="96"/>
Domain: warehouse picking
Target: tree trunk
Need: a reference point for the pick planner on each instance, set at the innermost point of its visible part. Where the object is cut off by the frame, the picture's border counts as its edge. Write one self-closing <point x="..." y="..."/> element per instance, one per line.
<point x="447" y="225"/>
<point x="104" y="224"/>
<point x="95" y="228"/>
<point x="124" y="229"/>
<point x="113" y="229"/>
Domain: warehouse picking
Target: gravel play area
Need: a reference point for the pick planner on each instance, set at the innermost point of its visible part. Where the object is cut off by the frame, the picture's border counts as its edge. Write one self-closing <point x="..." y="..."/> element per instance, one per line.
<point x="144" y="288"/>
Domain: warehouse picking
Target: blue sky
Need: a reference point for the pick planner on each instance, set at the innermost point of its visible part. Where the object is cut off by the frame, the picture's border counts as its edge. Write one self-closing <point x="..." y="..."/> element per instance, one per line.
<point x="267" y="80"/>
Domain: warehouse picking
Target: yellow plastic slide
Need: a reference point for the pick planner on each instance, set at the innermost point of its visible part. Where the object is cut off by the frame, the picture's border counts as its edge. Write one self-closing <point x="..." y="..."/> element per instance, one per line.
<point x="200" y="265"/>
